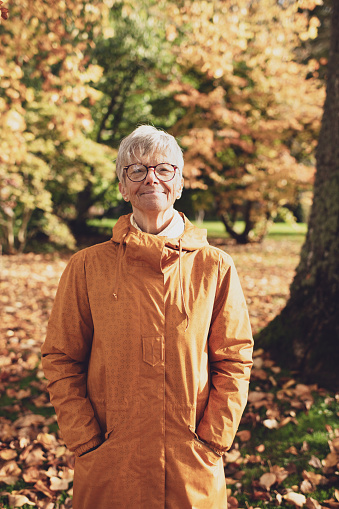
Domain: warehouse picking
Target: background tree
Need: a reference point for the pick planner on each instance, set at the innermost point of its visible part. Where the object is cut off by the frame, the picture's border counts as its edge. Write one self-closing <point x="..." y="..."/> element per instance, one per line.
<point x="222" y="76"/>
<point x="137" y="63"/>
<point x="46" y="154"/>
<point x="251" y="113"/>
<point x="305" y="335"/>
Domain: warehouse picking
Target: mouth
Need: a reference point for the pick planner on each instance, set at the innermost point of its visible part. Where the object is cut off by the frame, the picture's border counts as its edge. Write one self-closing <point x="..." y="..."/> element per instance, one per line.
<point x="152" y="192"/>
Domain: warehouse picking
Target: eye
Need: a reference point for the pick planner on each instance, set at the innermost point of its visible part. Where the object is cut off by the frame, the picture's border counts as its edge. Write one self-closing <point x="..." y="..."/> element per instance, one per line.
<point x="136" y="169"/>
<point x="164" y="169"/>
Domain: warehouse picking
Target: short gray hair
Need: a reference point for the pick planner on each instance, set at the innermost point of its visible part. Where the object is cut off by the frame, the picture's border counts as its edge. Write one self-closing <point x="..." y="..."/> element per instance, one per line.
<point x="146" y="139"/>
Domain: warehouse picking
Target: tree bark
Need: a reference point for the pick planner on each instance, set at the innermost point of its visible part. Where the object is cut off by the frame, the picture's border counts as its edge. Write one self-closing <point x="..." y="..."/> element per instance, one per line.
<point x="305" y="335"/>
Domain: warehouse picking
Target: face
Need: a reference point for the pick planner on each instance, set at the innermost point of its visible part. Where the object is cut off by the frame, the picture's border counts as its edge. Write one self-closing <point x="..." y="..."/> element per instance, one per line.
<point x="151" y="195"/>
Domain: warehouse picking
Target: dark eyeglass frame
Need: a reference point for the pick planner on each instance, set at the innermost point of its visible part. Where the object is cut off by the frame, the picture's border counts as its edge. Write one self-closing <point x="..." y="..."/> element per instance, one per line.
<point x="125" y="168"/>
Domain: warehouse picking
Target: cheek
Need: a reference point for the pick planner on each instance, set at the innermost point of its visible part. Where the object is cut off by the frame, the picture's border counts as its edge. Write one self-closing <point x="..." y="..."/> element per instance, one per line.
<point x="125" y="191"/>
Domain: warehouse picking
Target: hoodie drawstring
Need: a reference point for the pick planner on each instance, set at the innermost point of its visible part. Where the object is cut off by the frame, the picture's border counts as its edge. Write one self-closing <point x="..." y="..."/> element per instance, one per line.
<point x="118" y="267"/>
<point x="181" y="287"/>
<point x="118" y="271"/>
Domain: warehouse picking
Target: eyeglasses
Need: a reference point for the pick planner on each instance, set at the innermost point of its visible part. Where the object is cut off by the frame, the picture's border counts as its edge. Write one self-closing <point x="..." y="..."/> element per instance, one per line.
<point x="138" y="172"/>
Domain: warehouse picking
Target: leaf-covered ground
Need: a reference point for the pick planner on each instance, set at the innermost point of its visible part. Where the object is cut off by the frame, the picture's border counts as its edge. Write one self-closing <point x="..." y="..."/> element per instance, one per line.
<point x="286" y="452"/>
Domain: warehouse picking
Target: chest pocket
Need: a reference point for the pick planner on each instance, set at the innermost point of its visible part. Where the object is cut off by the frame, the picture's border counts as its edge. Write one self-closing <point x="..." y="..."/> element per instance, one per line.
<point x="153" y="349"/>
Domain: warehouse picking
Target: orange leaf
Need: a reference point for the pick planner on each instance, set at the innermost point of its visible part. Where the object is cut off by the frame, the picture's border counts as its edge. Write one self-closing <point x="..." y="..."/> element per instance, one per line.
<point x="244" y="435"/>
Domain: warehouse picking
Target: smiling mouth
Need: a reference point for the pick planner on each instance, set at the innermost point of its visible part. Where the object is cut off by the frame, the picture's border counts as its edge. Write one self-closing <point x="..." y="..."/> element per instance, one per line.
<point x="152" y="192"/>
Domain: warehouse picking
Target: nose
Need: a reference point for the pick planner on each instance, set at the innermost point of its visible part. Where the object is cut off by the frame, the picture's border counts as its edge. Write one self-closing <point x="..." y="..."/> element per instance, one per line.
<point x="151" y="177"/>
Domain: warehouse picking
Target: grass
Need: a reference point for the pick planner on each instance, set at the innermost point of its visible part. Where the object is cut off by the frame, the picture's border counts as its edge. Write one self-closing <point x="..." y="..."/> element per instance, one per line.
<point x="217" y="229"/>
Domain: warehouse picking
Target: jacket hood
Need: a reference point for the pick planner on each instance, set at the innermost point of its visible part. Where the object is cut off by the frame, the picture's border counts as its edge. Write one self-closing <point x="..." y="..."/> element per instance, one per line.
<point x="191" y="239"/>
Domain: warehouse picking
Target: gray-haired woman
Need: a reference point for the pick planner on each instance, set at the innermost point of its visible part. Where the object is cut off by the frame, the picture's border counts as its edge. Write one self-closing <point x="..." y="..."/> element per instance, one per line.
<point x="148" y="351"/>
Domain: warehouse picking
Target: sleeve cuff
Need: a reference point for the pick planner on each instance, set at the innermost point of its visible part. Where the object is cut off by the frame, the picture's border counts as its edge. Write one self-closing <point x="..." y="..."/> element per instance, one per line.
<point x="93" y="443"/>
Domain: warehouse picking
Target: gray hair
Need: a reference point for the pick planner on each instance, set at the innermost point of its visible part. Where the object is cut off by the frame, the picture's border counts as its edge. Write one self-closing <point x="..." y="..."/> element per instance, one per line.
<point x="146" y="139"/>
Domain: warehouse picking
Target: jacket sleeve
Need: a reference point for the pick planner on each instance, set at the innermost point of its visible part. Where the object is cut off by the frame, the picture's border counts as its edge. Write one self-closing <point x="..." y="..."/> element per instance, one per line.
<point x="65" y="355"/>
<point x="230" y="358"/>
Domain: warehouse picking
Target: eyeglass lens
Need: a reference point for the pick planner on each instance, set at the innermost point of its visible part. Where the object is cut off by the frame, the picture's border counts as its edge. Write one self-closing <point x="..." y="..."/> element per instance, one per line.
<point x="138" y="172"/>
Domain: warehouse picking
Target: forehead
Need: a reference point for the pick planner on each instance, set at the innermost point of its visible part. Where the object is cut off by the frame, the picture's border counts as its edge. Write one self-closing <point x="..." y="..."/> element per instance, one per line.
<point x="154" y="157"/>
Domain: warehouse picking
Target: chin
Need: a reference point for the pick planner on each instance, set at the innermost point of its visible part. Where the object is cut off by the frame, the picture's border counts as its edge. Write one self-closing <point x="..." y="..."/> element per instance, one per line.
<point x="156" y="203"/>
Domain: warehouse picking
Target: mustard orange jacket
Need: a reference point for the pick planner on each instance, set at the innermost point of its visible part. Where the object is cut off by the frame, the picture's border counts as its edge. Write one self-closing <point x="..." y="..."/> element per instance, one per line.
<point x="148" y="357"/>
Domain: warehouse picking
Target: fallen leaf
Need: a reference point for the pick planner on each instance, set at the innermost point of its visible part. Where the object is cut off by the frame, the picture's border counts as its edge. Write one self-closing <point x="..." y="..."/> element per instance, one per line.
<point x="262" y="495"/>
<point x="244" y="435"/>
<point x="47" y="440"/>
<point x="315" y="479"/>
<point x="23" y="393"/>
<point x="280" y="473"/>
<point x="35" y="457"/>
<point x="232" y="503"/>
<point x="17" y="500"/>
<point x="297" y="499"/>
<point x="68" y="474"/>
<point x="8" y="454"/>
<point x="58" y="484"/>
<point x="286" y="420"/>
<point x="311" y="503"/>
<point x="289" y="384"/>
<point x="10" y="472"/>
<point x="232" y="456"/>
<point x="279" y="498"/>
<point x="258" y="374"/>
<point x="306" y="486"/>
<point x="253" y="458"/>
<point x="331" y="503"/>
<point x="331" y="460"/>
<point x="32" y="474"/>
<point x="41" y="401"/>
<point x="334" y="445"/>
<point x="41" y="486"/>
<point x="267" y="480"/>
<point x="29" y="420"/>
<point x="305" y="447"/>
<point x="292" y="450"/>
<point x="271" y="423"/>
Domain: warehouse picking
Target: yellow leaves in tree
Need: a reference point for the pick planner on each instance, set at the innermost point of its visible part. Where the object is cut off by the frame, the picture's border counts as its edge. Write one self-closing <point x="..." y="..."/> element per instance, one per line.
<point x="171" y="33"/>
<point x="309" y="4"/>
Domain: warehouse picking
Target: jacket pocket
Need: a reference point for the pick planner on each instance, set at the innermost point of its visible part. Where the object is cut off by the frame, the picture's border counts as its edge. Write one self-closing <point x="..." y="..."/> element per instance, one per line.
<point x="100" y="447"/>
<point x="210" y="456"/>
<point x="153" y="349"/>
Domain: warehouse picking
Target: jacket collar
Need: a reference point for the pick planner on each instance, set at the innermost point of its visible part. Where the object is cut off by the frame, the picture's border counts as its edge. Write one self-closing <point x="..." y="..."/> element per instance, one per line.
<point x="149" y="248"/>
<point x="191" y="239"/>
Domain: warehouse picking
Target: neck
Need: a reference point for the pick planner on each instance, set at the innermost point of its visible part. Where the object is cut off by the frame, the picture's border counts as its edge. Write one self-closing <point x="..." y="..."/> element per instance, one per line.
<point x="153" y="223"/>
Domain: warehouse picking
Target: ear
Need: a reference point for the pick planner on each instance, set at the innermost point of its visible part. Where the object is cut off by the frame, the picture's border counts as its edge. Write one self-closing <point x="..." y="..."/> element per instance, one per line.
<point x="179" y="190"/>
<point x="123" y="190"/>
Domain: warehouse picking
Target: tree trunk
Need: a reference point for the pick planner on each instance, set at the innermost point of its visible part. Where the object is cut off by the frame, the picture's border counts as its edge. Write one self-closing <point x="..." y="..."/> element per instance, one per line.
<point x="305" y="335"/>
<point x="243" y="237"/>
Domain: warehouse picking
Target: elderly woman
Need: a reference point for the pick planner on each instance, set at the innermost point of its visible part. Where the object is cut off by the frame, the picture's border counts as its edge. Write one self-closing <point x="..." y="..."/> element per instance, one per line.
<point x="148" y="351"/>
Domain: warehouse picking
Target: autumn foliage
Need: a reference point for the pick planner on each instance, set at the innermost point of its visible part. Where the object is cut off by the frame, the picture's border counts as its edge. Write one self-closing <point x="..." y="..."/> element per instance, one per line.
<point x="4" y="11"/>
<point x="46" y="153"/>
<point x="232" y="80"/>
<point x="252" y="111"/>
